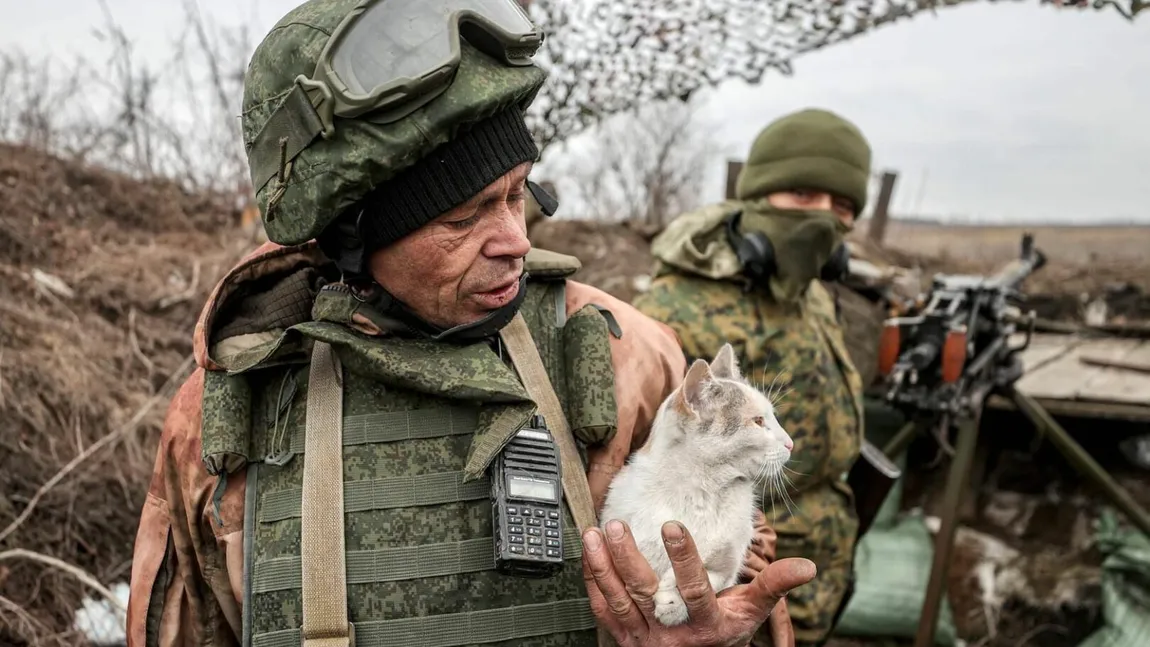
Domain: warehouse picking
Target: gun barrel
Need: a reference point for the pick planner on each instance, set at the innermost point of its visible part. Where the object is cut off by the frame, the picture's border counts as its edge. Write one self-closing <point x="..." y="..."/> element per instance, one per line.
<point x="1017" y="270"/>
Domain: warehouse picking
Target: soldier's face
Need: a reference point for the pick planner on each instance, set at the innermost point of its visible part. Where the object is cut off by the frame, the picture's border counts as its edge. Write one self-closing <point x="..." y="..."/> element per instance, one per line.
<point x="459" y="267"/>
<point x="814" y="199"/>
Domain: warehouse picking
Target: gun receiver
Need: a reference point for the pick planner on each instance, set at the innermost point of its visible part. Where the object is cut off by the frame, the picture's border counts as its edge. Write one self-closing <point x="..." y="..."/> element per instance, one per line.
<point x="955" y="343"/>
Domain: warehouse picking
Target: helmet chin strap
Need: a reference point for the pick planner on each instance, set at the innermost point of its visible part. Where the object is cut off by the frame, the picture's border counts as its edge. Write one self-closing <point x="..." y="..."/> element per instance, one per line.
<point x="481" y="330"/>
<point x="343" y="245"/>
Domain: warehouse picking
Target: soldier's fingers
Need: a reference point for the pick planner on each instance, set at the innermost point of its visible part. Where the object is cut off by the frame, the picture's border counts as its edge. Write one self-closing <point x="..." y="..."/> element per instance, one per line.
<point x="690" y="575"/>
<point x="777" y="579"/>
<point x="753" y="565"/>
<point x="636" y="573"/>
<point x="617" y="609"/>
<point x="782" y="632"/>
<point x="599" y="606"/>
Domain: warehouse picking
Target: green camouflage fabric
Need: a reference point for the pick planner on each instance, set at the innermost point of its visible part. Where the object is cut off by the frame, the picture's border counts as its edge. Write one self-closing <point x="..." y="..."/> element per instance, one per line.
<point x="330" y="175"/>
<point x="796" y="349"/>
<point x="422" y="421"/>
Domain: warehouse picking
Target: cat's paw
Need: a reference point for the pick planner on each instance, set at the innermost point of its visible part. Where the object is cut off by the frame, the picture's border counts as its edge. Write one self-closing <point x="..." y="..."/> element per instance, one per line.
<point x="669" y="608"/>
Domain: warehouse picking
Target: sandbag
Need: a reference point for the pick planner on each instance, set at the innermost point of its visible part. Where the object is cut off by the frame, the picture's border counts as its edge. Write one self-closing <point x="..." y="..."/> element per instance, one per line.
<point x="893" y="559"/>
<point x="1125" y="585"/>
<point x="892" y="566"/>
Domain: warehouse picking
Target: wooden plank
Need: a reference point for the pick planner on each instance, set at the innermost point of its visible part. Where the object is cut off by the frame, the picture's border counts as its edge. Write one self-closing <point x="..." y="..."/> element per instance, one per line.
<point x="1044" y="349"/>
<point x="1059" y="375"/>
<point x="1115" y="384"/>
<point x="1055" y="370"/>
<point x="733" y="170"/>
<point x="1080" y="409"/>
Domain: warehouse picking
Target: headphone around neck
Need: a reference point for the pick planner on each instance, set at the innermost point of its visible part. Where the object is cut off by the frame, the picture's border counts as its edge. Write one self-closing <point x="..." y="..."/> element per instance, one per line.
<point x="756" y="254"/>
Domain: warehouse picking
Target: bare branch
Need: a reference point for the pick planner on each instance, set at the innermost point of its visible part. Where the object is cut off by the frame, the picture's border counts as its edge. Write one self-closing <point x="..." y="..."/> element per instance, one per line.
<point x="645" y="166"/>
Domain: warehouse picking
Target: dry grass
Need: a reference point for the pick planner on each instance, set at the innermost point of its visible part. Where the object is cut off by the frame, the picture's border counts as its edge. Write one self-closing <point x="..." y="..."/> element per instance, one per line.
<point x="1080" y="258"/>
<point x="101" y="280"/>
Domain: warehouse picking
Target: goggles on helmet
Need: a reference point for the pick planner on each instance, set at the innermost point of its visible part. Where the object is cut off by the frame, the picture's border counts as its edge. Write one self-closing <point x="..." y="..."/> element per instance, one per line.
<point x="386" y="59"/>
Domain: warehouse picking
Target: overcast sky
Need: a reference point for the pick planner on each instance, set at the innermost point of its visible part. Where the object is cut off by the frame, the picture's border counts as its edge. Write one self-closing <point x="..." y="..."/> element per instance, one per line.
<point x="998" y="112"/>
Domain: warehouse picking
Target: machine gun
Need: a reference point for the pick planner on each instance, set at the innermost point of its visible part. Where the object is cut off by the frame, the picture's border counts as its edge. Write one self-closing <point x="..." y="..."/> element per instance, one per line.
<point x="954" y="348"/>
<point x="939" y="361"/>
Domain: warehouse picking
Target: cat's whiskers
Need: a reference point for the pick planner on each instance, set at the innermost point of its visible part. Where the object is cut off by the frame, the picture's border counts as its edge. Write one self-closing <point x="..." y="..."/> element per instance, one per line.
<point x="795" y="472"/>
<point x="778" y="397"/>
<point x="780" y="483"/>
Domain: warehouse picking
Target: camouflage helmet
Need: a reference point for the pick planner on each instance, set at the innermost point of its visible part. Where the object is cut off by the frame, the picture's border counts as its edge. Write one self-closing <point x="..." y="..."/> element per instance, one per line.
<point x="303" y="186"/>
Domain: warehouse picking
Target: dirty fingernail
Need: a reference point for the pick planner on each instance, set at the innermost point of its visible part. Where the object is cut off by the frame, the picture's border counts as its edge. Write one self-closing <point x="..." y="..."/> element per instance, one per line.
<point x="673" y="533"/>
<point x="592" y="541"/>
<point x="614" y="529"/>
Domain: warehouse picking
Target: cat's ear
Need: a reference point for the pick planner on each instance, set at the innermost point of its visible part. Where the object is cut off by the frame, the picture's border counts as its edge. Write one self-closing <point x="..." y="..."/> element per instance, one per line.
<point x="725" y="366"/>
<point x="697" y="378"/>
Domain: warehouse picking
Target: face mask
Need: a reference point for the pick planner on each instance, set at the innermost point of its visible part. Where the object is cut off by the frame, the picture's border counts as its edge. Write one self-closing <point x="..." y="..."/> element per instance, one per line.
<point x="787" y="248"/>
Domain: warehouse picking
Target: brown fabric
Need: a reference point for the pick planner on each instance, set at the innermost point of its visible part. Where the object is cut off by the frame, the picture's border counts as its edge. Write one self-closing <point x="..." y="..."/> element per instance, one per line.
<point x="203" y="595"/>
<point x="279" y="306"/>
<point x="322" y="537"/>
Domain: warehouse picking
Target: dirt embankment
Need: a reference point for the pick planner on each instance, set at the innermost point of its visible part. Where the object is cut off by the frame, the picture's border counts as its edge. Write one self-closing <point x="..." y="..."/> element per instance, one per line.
<point x="101" y="279"/>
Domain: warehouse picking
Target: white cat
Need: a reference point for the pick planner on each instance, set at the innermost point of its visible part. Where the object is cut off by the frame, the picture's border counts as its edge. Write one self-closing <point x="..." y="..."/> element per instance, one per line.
<point x="711" y="441"/>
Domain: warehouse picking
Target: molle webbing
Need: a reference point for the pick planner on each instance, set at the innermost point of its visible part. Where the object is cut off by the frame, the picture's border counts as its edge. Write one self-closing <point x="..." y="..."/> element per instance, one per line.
<point x="402" y="563"/>
<point x="420" y="424"/>
<point x="391" y="426"/>
<point x="455" y="629"/>
<point x="384" y="494"/>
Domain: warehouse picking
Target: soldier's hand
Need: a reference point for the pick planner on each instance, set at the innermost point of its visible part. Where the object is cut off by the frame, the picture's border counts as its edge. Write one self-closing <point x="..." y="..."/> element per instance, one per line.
<point x="622" y="586"/>
<point x="761" y="551"/>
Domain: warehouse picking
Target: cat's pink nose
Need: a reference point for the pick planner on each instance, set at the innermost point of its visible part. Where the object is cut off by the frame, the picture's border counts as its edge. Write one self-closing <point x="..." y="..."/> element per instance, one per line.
<point x="789" y="444"/>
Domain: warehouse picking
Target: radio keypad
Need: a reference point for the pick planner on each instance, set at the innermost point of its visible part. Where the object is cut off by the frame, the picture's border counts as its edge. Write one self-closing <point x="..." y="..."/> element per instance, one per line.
<point x="531" y="522"/>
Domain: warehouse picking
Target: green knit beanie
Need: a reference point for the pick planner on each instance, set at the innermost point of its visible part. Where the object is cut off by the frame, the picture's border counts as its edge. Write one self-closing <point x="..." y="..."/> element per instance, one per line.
<point x="809" y="149"/>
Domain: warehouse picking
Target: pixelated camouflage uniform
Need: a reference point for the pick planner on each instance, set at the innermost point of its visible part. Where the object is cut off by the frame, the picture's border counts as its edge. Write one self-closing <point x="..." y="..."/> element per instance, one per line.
<point x="796" y="351"/>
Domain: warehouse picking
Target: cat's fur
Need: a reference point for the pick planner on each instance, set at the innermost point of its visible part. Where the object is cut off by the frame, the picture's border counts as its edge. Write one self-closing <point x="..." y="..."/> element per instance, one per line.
<point x="713" y="439"/>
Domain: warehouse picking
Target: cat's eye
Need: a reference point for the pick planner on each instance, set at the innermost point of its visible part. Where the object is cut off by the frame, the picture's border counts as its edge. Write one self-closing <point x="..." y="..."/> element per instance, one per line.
<point x="758" y="420"/>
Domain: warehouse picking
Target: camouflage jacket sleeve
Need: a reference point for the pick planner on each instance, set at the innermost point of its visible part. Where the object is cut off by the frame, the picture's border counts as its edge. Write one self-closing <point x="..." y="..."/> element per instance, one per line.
<point x="186" y="567"/>
<point x="648" y="363"/>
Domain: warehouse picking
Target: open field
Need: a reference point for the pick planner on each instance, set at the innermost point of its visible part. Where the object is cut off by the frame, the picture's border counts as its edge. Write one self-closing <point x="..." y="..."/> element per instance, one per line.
<point x="1064" y="244"/>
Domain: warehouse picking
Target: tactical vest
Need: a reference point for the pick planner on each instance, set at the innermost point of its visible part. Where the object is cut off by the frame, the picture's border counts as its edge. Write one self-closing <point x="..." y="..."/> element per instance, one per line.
<point x="421" y="423"/>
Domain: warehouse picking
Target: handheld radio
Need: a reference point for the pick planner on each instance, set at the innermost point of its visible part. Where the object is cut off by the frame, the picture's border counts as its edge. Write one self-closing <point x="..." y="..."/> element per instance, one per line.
<point x="526" y="497"/>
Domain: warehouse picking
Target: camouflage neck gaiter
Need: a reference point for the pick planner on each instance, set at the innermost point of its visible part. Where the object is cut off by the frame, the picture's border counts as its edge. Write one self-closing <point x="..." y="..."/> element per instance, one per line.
<point x="803" y="241"/>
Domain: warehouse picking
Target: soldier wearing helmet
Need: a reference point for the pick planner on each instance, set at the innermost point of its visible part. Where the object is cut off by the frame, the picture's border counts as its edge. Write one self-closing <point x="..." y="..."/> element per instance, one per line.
<point x="747" y="271"/>
<point x="323" y="476"/>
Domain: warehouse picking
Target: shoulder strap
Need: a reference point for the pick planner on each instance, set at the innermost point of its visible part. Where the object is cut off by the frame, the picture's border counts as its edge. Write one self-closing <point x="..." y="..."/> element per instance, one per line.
<point x="325" y="622"/>
<point x="525" y="356"/>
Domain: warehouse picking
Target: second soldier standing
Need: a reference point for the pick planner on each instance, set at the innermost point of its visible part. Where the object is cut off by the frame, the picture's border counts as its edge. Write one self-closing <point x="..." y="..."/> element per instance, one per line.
<point x="747" y="271"/>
